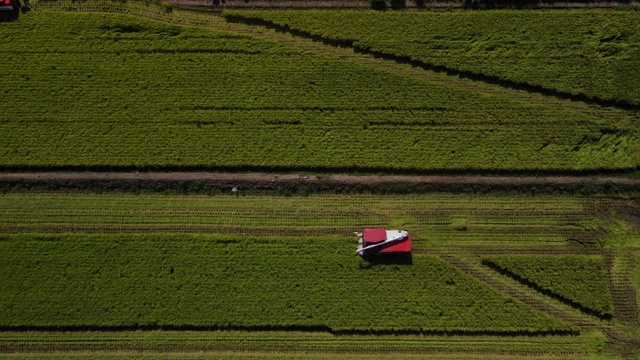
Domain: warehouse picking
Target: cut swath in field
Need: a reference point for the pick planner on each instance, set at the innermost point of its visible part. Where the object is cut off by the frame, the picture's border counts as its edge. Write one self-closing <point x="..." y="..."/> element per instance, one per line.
<point x="434" y="219"/>
<point x="579" y="280"/>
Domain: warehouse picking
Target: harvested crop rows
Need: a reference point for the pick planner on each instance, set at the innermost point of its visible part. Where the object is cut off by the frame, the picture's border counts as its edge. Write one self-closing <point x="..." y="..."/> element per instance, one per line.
<point x="433" y="218"/>
<point x="262" y="344"/>
<point x="623" y="288"/>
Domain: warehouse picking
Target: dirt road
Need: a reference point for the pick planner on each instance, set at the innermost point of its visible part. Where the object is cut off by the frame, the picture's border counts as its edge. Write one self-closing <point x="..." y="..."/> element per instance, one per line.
<point x="338" y="179"/>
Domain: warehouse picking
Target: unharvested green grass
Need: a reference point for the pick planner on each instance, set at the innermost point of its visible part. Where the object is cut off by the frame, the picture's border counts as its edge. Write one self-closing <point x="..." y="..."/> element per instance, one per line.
<point x="105" y="90"/>
<point x="244" y="282"/>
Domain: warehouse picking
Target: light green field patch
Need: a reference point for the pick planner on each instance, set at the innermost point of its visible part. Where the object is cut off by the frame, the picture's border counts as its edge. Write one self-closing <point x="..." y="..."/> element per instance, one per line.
<point x="432" y="219"/>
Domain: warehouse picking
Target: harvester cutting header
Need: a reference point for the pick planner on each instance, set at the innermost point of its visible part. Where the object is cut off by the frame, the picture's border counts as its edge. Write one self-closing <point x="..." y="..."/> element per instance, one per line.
<point x="381" y="241"/>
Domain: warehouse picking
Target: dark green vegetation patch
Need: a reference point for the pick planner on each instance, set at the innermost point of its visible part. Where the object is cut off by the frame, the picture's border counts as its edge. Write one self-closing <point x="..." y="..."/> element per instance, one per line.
<point x="579" y="279"/>
<point x="243" y="282"/>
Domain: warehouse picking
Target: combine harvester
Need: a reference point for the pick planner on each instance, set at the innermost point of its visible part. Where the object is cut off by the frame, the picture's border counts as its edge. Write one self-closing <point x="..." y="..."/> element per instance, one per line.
<point x="381" y="241"/>
<point x="10" y="9"/>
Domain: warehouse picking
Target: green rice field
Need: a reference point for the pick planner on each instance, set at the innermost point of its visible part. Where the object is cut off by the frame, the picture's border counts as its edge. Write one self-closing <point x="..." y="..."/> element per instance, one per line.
<point x="109" y="91"/>
<point x="146" y="268"/>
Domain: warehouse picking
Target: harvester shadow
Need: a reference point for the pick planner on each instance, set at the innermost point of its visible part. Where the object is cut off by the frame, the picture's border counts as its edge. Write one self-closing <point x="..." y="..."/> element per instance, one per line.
<point x="386" y="259"/>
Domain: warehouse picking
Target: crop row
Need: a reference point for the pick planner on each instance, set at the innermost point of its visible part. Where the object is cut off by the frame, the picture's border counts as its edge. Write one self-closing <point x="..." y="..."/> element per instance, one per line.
<point x="212" y="99"/>
<point x="435" y="204"/>
<point x="292" y="341"/>
<point x="425" y="240"/>
<point x="633" y="267"/>
<point x="592" y="53"/>
<point x="578" y="279"/>
<point x="333" y="204"/>
<point x="231" y="282"/>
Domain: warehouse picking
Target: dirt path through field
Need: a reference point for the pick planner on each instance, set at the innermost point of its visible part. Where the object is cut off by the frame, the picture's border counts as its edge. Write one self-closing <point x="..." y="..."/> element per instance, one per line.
<point x="338" y="179"/>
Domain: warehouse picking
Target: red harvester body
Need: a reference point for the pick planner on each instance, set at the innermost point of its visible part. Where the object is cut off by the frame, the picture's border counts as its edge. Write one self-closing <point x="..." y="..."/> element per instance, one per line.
<point x="382" y="241"/>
